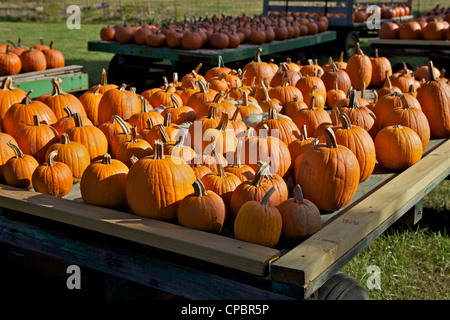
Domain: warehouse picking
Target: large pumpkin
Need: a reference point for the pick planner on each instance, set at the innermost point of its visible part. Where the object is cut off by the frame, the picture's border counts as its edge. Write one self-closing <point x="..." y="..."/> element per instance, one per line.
<point x="434" y="98"/>
<point x="359" y="69"/>
<point x="156" y="185"/>
<point x="258" y="70"/>
<point x="281" y="127"/>
<point x="118" y="101"/>
<point x="60" y="100"/>
<point x="328" y="174"/>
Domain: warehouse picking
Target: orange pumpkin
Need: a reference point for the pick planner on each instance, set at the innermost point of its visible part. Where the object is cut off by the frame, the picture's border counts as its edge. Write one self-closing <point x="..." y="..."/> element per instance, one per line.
<point x="18" y="170"/>
<point x="359" y="69"/>
<point x="118" y="101"/>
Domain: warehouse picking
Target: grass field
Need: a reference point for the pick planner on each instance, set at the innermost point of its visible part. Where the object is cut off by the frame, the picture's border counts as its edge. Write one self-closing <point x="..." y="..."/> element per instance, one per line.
<point x="413" y="261"/>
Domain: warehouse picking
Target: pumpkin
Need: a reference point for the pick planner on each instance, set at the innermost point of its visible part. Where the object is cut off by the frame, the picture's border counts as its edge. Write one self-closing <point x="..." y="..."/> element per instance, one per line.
<point x="218" y="83"/>
<point x="413" y="118"/>
<point x="104" y="86"/>
<point x="242" y="171"/>
<point x="166" y="131"/>
<point x="156" y="185"/>
<point x="196" y="100"/>
<point x="266" y="148"/>
<point x="221" y="182"/>
<point x="258" y="222"/>
<point x="199" y="168"/>
<point x="267" y="102"/>
<point x="218" y="70"/>
<point x="5" y="151"/>
<point x="381" y="69"/>
<point x="291" y="108"/>
<point x="113" y="127"/>
<point x="21" y="114"/>
<point x="310" y="83"/>
<point x="247" y="107"/>
<point x="403" y="79"/>
<point x="302" y="143"/>
<point x="285" y="72"/>
<point x="134" y="147"/>
<point x="359" y="115"/>
<point x="387" y="87"/>
<point x="17" y="48"/>
<point x="434" y="98"/>
<point x="36" y="138"/>
<point x="108" y="33"/>
<point x="164" y="97"/>
<point x="33" y="60"/>
<point x="220" y="104"/>
<point x="328" y="174"/>
<point x="224" y="139"/>
<point x="53" y="177"/>
<point x="124" y="33"/>
<point x="60" y="100"/>
<point x="257" y="70"/>
<point x="53" y="57"/>
<point x="386" y="104"/>
<point x="18" y="170"/>
<point x="9" y="96"/>
<point x="40" y="45"/>
<point x="74" y="154"/>
<point x="90" y="136"/>
<point x="281" y="127"/>
<point x="180" y="113"/>
<point x="90" y="101"/>
<point x="118" y="101"/>
<point x="10" y="63"/>
<point x="311" y="68"/>
<point x="398" y="147"/>
<point x="336" y="76"/>
<point x="104" y="182"/>
<point x="179" y="149"/>
<point x="359" y="141"/>
<point x="64" y="123"/>
<point x="359" y="69"/>
<point x="312" y="117"/>
<point x="285" y="93"/>
<point x="202" y="210"/>
<point x="140" y="119"/>
<point x="300" y="217"/>
<point x="186" y="93"/>
<point x="334" y="95"/>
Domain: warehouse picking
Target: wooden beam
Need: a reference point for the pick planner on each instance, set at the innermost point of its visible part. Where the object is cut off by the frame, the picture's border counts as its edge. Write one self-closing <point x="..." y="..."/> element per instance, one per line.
<point x="304" y="263"/>
<point x="225" y="251"/>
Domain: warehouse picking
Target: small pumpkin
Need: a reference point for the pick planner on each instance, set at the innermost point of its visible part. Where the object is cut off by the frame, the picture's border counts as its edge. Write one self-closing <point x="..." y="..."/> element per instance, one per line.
<point x="202" y="210"/>
<point x="312" y="117"/>
<point x="90" y="101"/>
<point x="118" y="101"/>
<point x="10" y="63"/>
<point x="5" y="151"/>
<point x="52" y="177"/>
<point x="54" y="57"/>
<point x="242" y="171"/>
<point x="300" y="217"/>
<point x="258" y="222"/>
<point x="134" y="147"/>
<point x="398" y="147"/>
<point x="74" y="154"/>
<point x="18" y="170"/>
<point x="103" y="183"/>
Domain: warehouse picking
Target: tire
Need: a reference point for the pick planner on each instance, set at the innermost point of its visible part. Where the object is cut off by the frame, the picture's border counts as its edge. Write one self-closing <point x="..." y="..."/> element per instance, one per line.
<point x="350" y="43"/>
<point x="342" y="287"/>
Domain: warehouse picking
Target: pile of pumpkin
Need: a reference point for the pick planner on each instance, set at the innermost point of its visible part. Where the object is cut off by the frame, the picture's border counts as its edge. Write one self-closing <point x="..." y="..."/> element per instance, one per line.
<point x="16" y="58"/>
<point x="427" y="27"/>
<point x="215" y="32"/>
<point x="267" y="148"/>
<point x="360" y="12"/>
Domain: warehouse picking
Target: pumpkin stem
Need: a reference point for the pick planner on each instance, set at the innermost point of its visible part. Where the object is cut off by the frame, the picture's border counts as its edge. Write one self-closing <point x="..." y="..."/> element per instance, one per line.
<point x="159" y="150"/>
<point x="258" y="55"/>
<point x="430" y="71"/>
<point x="65" y="138"/>
<point x="197" y="68"/>
<point x="358" y="48"/>
<point x="96" y="89"/>
<point x="7" y="84"/>
<point x="57" y="90"/>
<point x="133" y="132"/>
<point x="69" y="112"/>
<point x="199" y="188"/>
<point x="78" y="120"/>
<point x="259" y="176"/>
<point x="330" y="138"/>
<point x="222" y="126"/>
<point x="103" y="78"/>
<point x="237" y="155"/>
<point x="167" y="119"/>
<point x="219" y="165"/>
<point x="298" y="194"/>
<point x="405" y="104"/>
<point x="397" y="126"/>
<point x="123" y="125"/>
<point x="312" y="103"/>
<point x="212" y="112"/>
<point x="162" y="131"/>
<point x="202" y="85"/>
<point x="36" y="121"/>
<point x="27" y="99"/>
<point x="16" y="149"/>
<point x="345" y="121"/>
<point x="304" y="133"/>
<point x="236" y="112"/>
<point x="266" y="197"/>
<point x="272" y="114"/>
<point x="353" y="101"/>
<point x="266" y="92"/>
<point x="149" y="123"/>
<point x="144" y="104"/>
<point x="106" y="159"/>
<point x="51" y="158"/>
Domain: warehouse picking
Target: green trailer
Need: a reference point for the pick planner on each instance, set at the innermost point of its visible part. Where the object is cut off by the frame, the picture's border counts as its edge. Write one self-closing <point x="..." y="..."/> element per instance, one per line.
<point x="73" y="80"/>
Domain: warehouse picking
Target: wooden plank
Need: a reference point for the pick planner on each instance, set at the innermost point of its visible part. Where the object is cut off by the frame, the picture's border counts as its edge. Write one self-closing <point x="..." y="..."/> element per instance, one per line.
<point x="45" y="73"/>
<point x="213" y="248"/>
<point x="308" y="260"/>
<point x="399" y="42"/>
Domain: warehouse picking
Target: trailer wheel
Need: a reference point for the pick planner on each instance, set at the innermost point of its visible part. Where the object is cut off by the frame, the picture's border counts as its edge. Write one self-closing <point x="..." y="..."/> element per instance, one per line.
<point x="351" y="39"/>
<point x="342" y="287"/>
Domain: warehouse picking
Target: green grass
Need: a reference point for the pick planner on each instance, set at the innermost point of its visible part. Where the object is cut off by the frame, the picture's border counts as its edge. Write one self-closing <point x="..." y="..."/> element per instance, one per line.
<point x="413" y="260"/>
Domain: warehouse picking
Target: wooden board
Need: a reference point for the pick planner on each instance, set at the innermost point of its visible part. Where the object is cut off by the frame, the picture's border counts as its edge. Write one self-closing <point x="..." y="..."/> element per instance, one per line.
<point x="422" y="43"/>
<point x="301" y="265"/>
<point x="162" y="235"/>
<point x="210" y="56"/>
